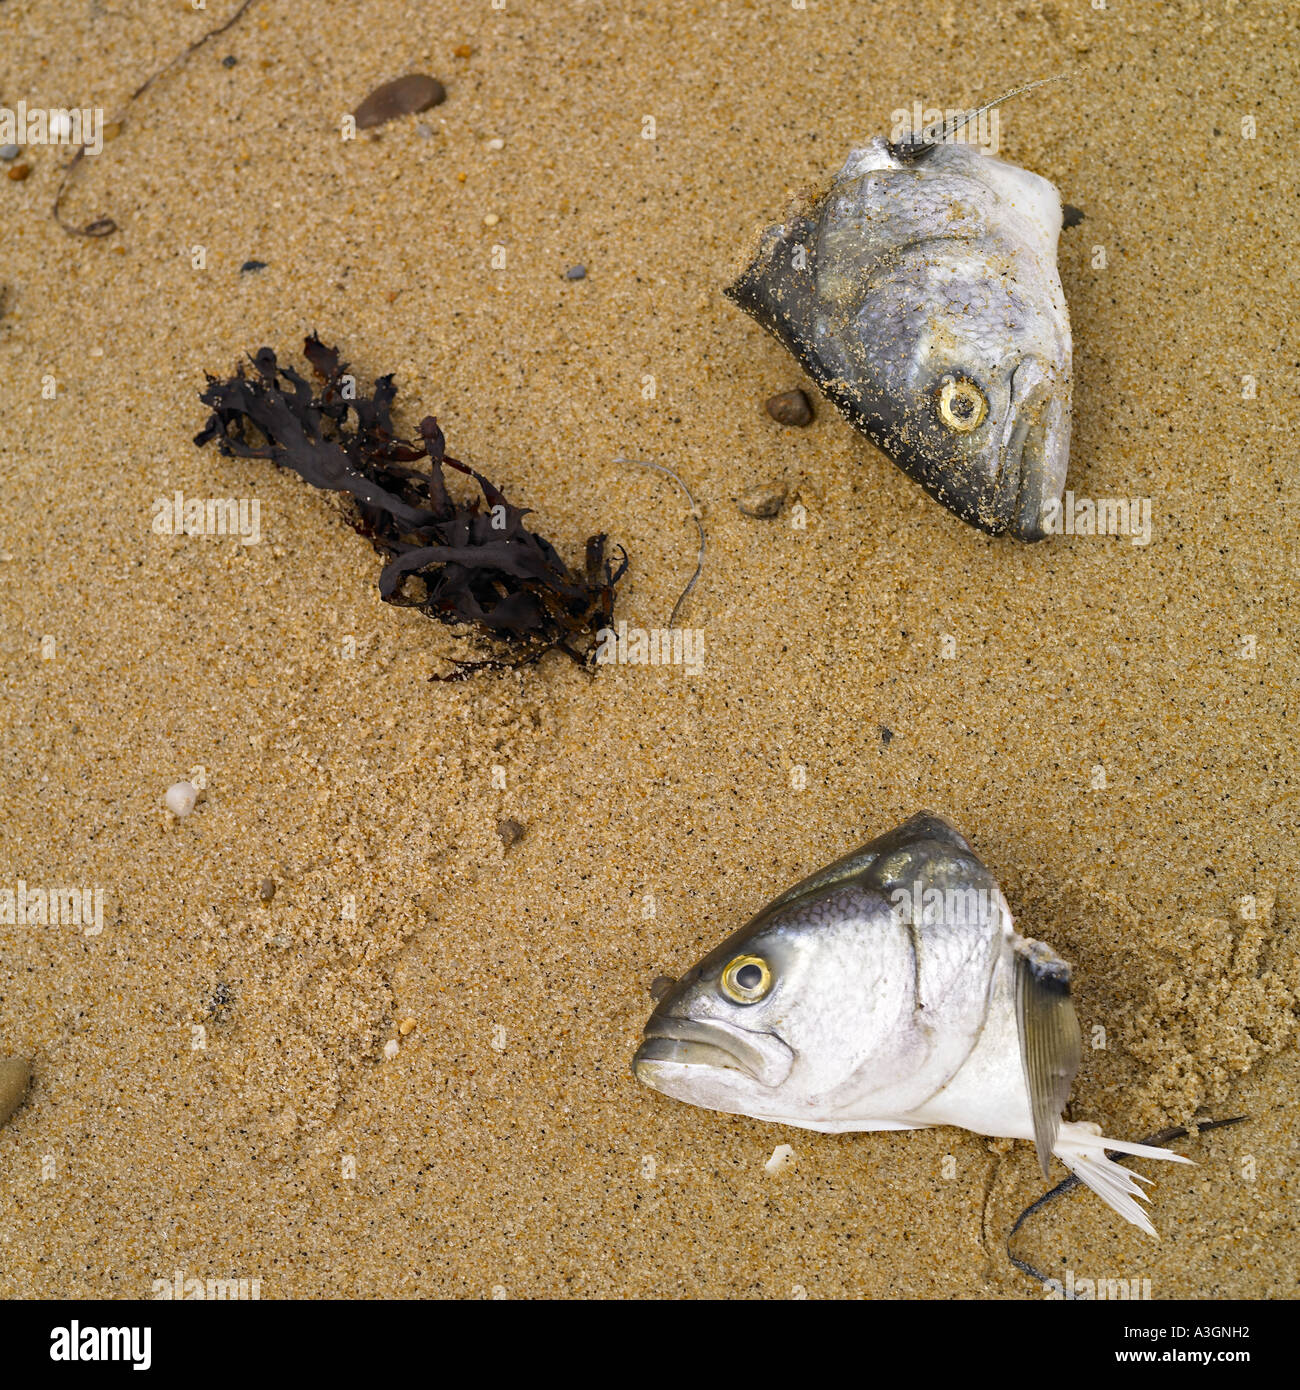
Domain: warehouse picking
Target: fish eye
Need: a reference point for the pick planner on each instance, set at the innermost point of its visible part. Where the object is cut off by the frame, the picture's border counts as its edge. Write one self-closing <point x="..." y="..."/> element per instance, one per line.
<point x="962" y="406"/>
<point x="746" y="979"/>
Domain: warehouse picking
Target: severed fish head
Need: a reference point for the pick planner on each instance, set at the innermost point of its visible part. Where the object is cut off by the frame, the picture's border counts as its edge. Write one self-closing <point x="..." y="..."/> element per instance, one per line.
<point x="838" y="1006"/>
<point x="920" y="292"/>
<point x="889" y="990"/>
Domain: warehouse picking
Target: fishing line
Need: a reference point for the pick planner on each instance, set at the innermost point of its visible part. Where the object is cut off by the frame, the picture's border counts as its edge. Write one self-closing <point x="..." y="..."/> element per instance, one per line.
<point x="699" y="526"/>
<point x="1164" y="1137"/>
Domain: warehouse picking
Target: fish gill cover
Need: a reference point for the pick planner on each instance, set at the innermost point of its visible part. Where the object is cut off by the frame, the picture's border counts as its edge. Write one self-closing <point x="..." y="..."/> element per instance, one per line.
<point x="481" y="567"/>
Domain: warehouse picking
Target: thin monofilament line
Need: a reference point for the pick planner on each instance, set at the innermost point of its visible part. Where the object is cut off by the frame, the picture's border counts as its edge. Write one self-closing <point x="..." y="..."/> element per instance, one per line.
<point x="699" y="526"/>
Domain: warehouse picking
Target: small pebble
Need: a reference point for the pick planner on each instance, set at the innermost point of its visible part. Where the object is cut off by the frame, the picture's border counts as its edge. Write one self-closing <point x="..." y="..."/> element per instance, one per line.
<point x="424" y="131"/>
<point x="491" y="220"/>
<point x="576" y="272"/>
<point x="181" y="797"/>
<point x="407" y="1025"/>
<point x="765" y="500"/>
<point x="886" y="735"/>
<point x="18" y="172"/>
<point x="252" y="265"/>
<point x="229" y="61"/>
<point x="790" y="408"/>
<point x="1071" y="216"/>
<point x="463" y="50"/>
<point x="390" y="1049"/>
<point x="15" y="1077"/>
<point x="781" y="1158"/>
<point x="511" y="832"/>
<point x="219" y="1004"/>
<point x="266" y="889"/>
<point x="8" y="152"/>
<point x="403" y="96"/>
<point x="496" y="143"/>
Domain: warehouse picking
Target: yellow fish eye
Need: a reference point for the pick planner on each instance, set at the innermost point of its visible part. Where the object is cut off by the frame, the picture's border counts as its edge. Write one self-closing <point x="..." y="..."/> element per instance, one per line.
<point x="962" y="406"/>
<point x="746" y="979"/>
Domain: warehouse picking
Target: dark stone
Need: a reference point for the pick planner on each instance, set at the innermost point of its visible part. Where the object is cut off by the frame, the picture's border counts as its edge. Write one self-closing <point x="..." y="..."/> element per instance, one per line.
<point x="790" y="408"/>
<point x="403" y="96"/>
<point x="511" y="832"/>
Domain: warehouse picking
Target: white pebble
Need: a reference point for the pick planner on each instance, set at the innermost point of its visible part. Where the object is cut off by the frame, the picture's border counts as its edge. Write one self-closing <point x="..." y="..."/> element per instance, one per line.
<point x="390" y="1049"/>
<point x="181" y="797"/>
<point x="782" y="1155"/>
<point x="496" y="143"/>
<point x="491" y="220"/>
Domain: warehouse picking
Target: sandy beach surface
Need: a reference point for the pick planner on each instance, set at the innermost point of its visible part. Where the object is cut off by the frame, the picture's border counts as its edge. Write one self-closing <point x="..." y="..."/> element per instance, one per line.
<point x="1111" y="724"/>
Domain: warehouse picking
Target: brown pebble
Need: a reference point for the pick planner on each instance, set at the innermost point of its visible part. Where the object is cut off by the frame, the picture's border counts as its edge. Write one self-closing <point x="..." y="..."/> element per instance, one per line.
<point x="15" y="1077"/>
<point x="790" y="408"/>
<point x="511" y="832"/>
<point x="407" y="1025"/>
<point x="463" y="50"/>
<point x="765" y="500"/>
<point x="401" y="97"/>
<point x="18" y="172"/>
<point x="266" y="889"/>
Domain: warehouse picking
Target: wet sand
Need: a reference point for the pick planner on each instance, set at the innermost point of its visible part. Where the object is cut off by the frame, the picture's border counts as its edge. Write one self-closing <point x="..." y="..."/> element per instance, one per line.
<point x="506" y="1147"/>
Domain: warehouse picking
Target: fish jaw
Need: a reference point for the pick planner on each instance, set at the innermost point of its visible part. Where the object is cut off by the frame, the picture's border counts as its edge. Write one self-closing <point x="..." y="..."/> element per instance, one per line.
<point x="703" y="1060"/>
<point x="1036" y="448"/>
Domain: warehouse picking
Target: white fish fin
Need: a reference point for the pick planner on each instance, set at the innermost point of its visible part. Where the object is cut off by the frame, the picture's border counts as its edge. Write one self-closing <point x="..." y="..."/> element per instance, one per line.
<point x="1050" y="1042"/>
<point x="1082" y="1148"/>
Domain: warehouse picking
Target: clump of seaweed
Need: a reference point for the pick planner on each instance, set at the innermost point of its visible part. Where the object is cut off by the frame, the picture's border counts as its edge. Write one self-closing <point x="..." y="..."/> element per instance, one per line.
<point x="481" y="567"/>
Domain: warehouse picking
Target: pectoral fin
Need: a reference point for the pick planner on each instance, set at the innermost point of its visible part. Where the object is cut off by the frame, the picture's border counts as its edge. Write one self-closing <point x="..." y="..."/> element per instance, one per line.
<point x="1050" y="1042"/>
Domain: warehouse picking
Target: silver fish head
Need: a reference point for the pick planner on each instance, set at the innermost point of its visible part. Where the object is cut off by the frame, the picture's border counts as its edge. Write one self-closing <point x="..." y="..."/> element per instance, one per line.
<point x="833" y="1008"/>
<point x="890" y="991"/>
<point x="922" y="295"/>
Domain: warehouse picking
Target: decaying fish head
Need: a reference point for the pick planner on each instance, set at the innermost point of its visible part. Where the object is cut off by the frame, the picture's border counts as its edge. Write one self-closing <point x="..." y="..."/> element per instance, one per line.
<point x="920" y="291"/>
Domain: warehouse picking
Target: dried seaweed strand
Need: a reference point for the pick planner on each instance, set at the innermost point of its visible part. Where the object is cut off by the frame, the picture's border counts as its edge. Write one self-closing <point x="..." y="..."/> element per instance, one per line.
<point x="104" y="226"/>
<point x="476" y="562"/>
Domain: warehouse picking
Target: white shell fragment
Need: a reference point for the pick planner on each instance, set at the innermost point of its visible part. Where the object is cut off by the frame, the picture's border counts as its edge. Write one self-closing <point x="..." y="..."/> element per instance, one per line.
<point x="181" y="797"/>
<point x="390" y="1049"/>
<point x="782" y="1158"/>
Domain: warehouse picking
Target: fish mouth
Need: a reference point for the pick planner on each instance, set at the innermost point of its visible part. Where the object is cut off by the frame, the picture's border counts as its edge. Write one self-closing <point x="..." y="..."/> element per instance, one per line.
<point x="691" y="1042"/>
<point x="1034" y="451"/>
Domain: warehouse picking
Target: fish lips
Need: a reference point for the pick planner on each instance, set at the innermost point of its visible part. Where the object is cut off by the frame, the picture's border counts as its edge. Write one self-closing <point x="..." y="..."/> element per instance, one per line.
<point x="689" y="1042"/>
<point x="1035" y="451"/>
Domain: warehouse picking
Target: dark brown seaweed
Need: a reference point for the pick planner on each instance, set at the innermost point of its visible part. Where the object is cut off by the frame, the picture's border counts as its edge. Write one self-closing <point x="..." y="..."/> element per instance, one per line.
<point x="481" y="567"/>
